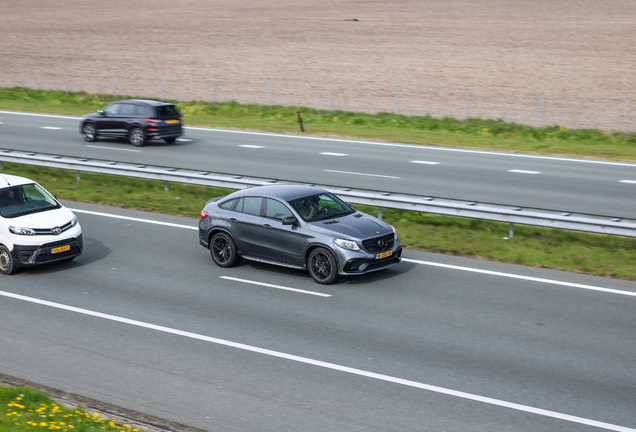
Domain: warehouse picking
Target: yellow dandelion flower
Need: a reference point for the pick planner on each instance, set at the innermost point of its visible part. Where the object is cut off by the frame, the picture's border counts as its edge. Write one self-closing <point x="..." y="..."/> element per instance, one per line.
<point x="43" y="424"/>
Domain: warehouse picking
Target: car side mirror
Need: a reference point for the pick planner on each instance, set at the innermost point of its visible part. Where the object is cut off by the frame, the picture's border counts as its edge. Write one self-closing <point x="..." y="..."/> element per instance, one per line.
<point x="100" y="112"/>
<point x="289" y="220"/>
<point x="351" y="207"/>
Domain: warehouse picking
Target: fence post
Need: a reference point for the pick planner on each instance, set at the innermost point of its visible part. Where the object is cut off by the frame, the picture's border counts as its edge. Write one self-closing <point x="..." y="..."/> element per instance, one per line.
<point x="330" y="97"/>
<point x="163" y="87"/>
<point x="467" y="106"/>
<point x="66" y="80"/>
<point x="114" y="85"/>
<point x="397" y="98"/>
<point x="542" y="111"/>
<point x="626" y="117"/>
<point x="269" y="94"/>
<point x="214" y="90"/>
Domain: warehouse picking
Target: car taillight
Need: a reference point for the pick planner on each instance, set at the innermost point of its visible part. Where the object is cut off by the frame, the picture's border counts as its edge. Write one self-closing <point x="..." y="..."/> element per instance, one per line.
<point x="204" y="214"/>
<point x="152" y="121"/>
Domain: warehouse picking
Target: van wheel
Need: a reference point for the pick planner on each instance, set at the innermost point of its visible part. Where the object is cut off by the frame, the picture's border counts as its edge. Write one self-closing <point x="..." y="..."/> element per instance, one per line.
<point x="322" y="266"/>
<point x="6" y="261"/>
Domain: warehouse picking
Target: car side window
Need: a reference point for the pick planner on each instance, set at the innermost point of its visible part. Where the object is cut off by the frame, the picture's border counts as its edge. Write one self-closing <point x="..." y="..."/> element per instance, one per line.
<point x="228" y="205"/>
<point x="139" y="110"/>
<point x="127" y="109"/>
<point x="250" y="205"/>
<point x="277" y="210"/>
<point x="112" y="109"/>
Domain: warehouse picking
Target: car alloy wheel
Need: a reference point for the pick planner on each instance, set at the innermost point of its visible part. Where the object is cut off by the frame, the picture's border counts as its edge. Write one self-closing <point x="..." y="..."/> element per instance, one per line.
<point x="223" y="250"/>
<point x="137" y="137"/>
<point x="322" y="266"/>
<point x="88" y="132"/>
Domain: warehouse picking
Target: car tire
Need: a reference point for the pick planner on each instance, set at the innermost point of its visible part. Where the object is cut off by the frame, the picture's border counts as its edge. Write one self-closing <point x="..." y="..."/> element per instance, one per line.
<point x="6" y="261"/>
<point x="170" y="140"/>
<point x="137" y="136"/>
<point x="224" y="251"/>
<point x="89" y="133"/>
<point x="322" y="265"/>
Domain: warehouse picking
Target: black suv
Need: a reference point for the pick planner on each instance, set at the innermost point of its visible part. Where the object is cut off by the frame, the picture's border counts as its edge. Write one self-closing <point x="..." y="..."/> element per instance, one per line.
<point x="137" y="120"/>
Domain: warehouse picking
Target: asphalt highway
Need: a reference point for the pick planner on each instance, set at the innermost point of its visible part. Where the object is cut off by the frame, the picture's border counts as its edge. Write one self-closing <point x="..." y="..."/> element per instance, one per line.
<point x="145" y="320"/>
<point x="564" y="184"/>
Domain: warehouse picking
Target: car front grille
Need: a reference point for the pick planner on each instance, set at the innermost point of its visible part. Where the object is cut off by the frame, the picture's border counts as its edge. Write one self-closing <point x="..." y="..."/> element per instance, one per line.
<point x="49" y="231"/>
<point x="378" y="244"/>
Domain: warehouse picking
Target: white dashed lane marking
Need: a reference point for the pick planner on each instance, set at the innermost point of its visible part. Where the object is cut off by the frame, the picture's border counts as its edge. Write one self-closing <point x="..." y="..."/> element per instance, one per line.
<point x="334" y="154"/>
<point x="362" y="174"/>
<point x="628" y="181"/>
<point x="251" y="146"/>
<point x="425" y="162"/>
<point x="50" y="127"/>
<point x="524" y="171"/>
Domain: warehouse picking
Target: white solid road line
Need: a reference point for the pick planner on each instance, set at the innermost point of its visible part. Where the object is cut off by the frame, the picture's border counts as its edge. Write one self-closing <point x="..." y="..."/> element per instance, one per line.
<point x="326" y="365"/>
<point x="628" y="181"/>
<point x="134" y="219"/>
<point x="275" y="286"/>
<point x="521" y="277"/>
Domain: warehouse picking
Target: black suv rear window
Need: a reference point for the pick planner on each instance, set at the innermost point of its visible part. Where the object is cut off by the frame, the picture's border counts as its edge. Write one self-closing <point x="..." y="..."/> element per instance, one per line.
<point x="166" y="110"/>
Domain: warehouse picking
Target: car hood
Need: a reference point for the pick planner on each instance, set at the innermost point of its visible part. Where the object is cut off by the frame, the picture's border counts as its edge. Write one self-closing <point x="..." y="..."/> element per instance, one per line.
<point x="358" y="226"/>
<point x="45" y="219"/>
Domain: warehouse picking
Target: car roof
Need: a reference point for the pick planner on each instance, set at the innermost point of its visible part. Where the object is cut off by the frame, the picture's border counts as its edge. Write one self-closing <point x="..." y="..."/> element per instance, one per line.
<point x="7" y="180"/>
<point x="284" y="192"/>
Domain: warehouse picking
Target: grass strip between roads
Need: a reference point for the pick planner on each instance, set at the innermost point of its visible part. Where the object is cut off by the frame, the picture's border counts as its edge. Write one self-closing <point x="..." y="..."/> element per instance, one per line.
<point x="578" y="252"/>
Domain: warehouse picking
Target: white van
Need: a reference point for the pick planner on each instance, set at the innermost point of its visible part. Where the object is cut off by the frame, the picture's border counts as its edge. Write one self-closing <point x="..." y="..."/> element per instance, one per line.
<point x="34" y="227"/>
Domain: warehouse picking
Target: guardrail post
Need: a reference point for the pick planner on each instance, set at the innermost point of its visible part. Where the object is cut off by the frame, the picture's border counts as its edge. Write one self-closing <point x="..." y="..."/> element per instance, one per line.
<point x="511" y="230"/>
<point x="165" y="186"/>
<point x="78" y="175"/>
<point x="380" y="213"/>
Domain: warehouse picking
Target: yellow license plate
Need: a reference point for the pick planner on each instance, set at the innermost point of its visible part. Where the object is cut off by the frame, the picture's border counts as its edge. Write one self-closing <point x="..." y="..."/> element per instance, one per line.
<point x="172" y="121"/>
<point x="383" y="255"/>
<point x="61" y="249"/>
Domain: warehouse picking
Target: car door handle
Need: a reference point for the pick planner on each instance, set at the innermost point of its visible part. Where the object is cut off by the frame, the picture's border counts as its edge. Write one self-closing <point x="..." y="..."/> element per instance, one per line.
<point x="233" y="220"/>
<point x="267" y="225"/>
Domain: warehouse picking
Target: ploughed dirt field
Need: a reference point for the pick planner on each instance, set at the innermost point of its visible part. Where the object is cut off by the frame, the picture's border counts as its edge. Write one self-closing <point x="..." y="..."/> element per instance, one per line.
<point x="488" y="58"/>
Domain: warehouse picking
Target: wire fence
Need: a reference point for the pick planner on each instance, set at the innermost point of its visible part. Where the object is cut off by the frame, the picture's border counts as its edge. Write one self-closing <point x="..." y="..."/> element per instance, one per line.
<point x="567" y="108"/>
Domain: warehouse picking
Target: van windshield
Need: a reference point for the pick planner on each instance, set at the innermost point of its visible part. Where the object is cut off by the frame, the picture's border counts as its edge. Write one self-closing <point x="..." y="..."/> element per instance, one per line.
<point x="25" y="199"/>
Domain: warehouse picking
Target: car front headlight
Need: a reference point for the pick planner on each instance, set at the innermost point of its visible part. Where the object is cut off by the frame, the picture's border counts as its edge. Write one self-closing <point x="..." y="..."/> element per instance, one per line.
<point x="74" y="221"/>
<point x="21" y="230"/>
<point x="347" y="244"/>
<point x="396" y="237"/>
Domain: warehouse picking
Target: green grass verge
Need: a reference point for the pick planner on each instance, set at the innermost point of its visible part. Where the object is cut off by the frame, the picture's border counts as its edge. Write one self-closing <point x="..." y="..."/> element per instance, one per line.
<point x="24" y="409"/>
<point x="557" y="249"/>
<point x="594" y="254"/>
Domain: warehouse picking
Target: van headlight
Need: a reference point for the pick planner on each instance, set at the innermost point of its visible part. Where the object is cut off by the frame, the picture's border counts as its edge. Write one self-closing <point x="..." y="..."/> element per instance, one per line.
<point x="347" y="244"/>
<point x="21" y="230"/>
<point x="74" y="221"/>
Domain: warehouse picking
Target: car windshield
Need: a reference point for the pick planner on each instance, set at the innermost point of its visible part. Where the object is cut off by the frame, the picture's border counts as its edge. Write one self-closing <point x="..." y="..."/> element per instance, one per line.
<point x="320" y="207"/>
<point x="25" y="199"/>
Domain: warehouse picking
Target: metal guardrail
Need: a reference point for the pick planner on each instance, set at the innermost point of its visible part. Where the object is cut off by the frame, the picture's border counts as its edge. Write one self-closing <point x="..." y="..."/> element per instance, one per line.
<point x="501" y="213"/>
